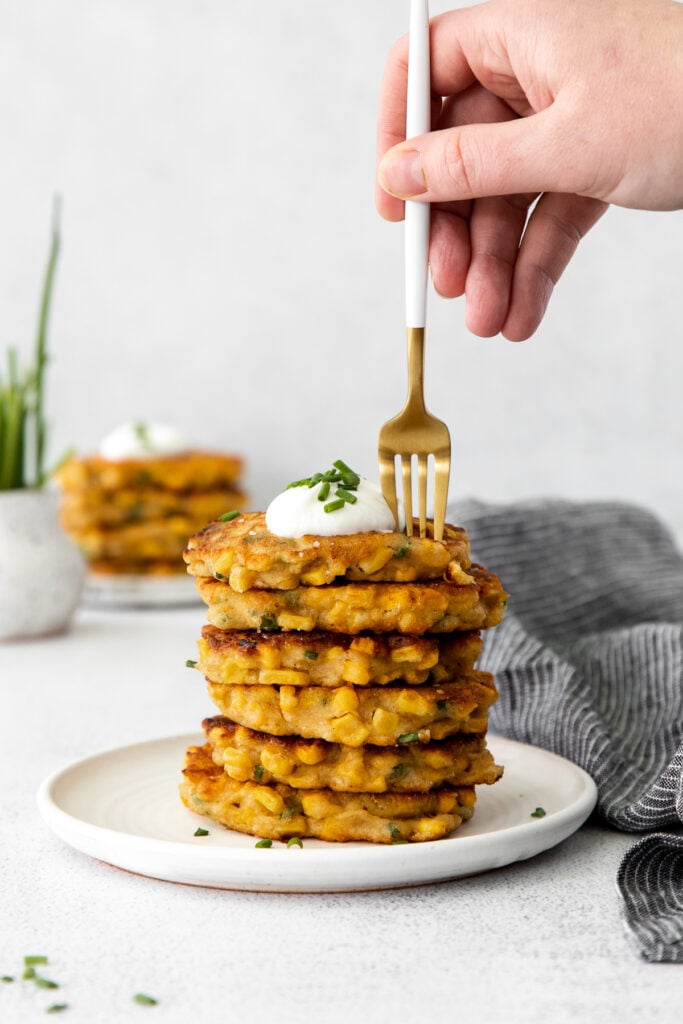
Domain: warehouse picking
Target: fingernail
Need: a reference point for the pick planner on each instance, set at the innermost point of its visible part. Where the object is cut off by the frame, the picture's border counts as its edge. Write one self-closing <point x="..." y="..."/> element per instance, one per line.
<point x="401" y="173"/>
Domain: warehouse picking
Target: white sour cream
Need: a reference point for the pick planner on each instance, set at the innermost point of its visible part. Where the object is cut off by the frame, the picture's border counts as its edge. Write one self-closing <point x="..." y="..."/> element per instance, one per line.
<point x="142" y="441"/>
<point x="297" y="512"/>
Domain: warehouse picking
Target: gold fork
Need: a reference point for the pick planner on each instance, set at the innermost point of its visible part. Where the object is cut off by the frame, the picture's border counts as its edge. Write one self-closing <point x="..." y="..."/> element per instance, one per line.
<point x="415" y="432"/>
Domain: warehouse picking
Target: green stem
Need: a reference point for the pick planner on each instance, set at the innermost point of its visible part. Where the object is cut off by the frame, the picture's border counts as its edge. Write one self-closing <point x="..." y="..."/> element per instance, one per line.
<point x="41" y="343"/>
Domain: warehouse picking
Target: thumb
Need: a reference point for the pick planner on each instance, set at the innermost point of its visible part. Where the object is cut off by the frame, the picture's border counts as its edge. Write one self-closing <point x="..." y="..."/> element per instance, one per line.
<point x="530" y="154"/>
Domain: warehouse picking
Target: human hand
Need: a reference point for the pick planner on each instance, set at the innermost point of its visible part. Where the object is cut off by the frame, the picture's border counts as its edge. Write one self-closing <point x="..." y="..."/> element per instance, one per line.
<point x="540" y="105"/>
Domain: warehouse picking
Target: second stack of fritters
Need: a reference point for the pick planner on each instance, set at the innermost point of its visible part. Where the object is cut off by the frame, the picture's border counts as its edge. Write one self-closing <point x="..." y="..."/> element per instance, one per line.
<point x="343" y="668"/>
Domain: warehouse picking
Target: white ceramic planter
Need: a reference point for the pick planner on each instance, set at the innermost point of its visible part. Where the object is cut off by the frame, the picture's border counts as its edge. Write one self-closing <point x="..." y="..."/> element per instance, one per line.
<point x="41" y="571"/>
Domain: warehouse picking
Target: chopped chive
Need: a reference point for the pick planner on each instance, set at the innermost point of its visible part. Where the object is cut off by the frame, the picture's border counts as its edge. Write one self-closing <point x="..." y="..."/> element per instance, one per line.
<point x="298" y="483"/>
<point x="57" y="1008"/>
<point x="263" y="844"/>
<point x="258" y="772"/>
<point x="401" y="552"/>
<point x="400" y="842"/>
<point x="220" y="577"/>
<point x="315" y="479"/>
<point x="324" y="490"/>
<point x="538" y="813"/>
<point x="288" y="813"/>
<point x="202" y="832"/>
<point x="269" y="623"/>
<point x="227" y="516"/>
<point x="311" y="655"/>
<point x="7" y="978"/>
<point x="45" y="982"/>
<point x="295" y="841"/>
<point x="332" y="506"/>
<point x="32" y="960"/>
<point x="408" y="737"/>
<point x="343" y="468"/>
<point x="190" y="663"/>
<point x="397" y="772"/>
<point x="394" y="830"/>
<point x="347" y="496"/>
<point x="144" y="1000"/>
<point x="29" y="972"/>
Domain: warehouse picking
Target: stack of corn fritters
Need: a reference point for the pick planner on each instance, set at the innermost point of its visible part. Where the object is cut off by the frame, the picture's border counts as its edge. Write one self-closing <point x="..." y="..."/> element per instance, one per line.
<point x="343" y="668"/>
<point x="134" y="515"/>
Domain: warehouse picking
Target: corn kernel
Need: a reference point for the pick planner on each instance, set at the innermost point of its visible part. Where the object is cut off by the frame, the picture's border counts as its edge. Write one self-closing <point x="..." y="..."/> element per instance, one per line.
<point x="282" y="677"/>
<point x="275" y="762"/>
<point x="270" y="799"/>
<point x="412" y="702"/>
<point x="363" y="644"/>
<point x="356" y="671"/>
<point x="345" y="699"/>
<point x="384" y="724"/>
<point x="349" y="730"/>
<point x="270" y="657"/>
<point x="241" y="579"/>
<point x="447" y="802"/>
<point x="315" y="577"/>
<point x="288" y="699"/>
<point x="238" y="765"/>
<point x="376" y="562"/>
<point x="431" y="828"/>
<point x="310" y="753"/>
<point x="317" y="805"/>
<point x="225" y="563"/>
<point x="286" y="620"/>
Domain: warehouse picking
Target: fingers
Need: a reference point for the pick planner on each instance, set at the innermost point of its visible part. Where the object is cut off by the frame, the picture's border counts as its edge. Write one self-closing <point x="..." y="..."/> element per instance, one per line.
<point x="536" y="154"/>
<point x="553" y="232"/>
<point x="496" y="228"/>
<point x="449" y="252"/>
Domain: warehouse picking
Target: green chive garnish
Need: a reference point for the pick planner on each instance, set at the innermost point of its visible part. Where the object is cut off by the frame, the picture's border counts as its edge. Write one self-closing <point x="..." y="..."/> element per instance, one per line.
<point x="258" y="772"/>
<point x="408" y="737"/>
<point x="202" y="832"/>
<point x="401" y="552"/>
<point x="33" y="960"/>
<point x="263" y="844"/>
<point x="269" y="623"/>
<point x="190" y="663"/>
<point x="45" y="983"/>
<point x="144" y="1000"/>
<point x="347" y="496"/>
<point x="57" y="1008"/>
<point x="332" y="506"/>
<point x="7" y="978"/>
<point x="324" y="490"/>
<point x="311" y="655"/>
<point x="538" y="813"/>
<point x="227" y="516"/>
<point x="397" y="772"/>
<point x="295" y="841"/>
<point x="29" y="972"/>
<point x="394" y="830"/>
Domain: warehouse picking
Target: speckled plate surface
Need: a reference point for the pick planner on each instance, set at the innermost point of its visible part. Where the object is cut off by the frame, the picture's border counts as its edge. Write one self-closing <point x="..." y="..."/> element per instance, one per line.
<point x="130" y="591"/>
<point x="122" y="807"/>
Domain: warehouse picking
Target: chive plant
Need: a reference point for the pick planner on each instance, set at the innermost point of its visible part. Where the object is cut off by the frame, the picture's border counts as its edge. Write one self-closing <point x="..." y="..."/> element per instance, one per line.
<point x="22" y="393"/>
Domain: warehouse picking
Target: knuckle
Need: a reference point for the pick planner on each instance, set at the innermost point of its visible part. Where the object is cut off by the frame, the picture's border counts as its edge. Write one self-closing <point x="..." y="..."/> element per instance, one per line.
<point x="460" y="161"/>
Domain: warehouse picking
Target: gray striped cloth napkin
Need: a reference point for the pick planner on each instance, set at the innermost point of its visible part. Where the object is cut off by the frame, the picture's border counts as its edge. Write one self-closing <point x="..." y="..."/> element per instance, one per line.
<point x="589" y="664"/>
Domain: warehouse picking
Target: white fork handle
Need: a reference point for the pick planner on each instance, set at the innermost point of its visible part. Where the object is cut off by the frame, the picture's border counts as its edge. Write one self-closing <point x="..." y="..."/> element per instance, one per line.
<point x="418" y="110"/>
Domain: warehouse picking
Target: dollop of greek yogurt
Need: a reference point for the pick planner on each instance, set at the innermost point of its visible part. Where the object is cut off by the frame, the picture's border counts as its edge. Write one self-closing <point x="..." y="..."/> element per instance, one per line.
<point x="298" y="511"/>
<point x="142" y="441"/>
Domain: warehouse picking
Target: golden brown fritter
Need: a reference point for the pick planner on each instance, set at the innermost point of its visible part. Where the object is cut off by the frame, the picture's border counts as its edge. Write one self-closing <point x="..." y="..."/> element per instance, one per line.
<point x="382" y="715"/>
<point x="149" y="541"/>
<point x="155" y="567"/>
<point x="189" y="471"/>
<point x="414" y="608"/>
<point x="95" y="507"/>
<point x="246" y="657"/>
<point x="247" y="755"/>
<point x="246" y="555"/>
<point x="277" y="811"/>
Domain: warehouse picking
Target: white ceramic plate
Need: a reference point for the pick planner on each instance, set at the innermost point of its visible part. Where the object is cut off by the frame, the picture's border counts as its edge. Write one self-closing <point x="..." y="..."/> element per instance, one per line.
<point x="122" y="806"/>
<point x="131" y="591"/>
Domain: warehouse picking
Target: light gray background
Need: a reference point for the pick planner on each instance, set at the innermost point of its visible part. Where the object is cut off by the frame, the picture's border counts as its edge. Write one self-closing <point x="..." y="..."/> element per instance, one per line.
<point x="224" y="269"/>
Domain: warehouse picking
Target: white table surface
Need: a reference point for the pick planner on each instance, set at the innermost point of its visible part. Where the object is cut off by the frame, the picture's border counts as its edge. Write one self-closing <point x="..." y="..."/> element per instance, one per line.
<point x="537" y="941"/>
